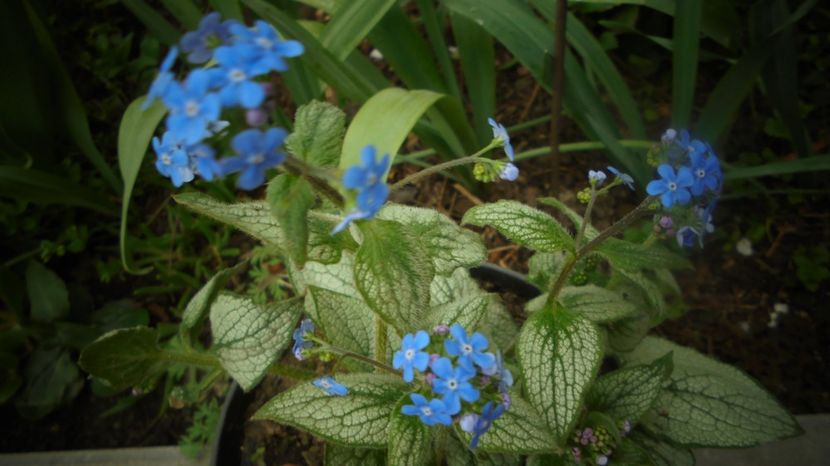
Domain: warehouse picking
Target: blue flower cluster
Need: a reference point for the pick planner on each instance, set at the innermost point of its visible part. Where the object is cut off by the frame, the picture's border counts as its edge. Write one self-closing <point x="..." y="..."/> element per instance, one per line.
<point x="510" y="172"/>
<point x="689" y="186"/>
<point x="367" y="179"/>
<point x="469" y="377"/>
<point x="235" y="57"/>
<point x="300" y="342"/>
<point x="330" y="386"/>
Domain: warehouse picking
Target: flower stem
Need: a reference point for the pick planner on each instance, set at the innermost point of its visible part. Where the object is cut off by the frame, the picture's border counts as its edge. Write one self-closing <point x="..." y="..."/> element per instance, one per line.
<point x="445" y="166"/>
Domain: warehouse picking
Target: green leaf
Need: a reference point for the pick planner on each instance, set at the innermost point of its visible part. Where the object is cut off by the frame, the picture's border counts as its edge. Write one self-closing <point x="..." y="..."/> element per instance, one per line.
<point x="629" y="453"/>
<point x="467" y="311"/>
<point x="199" y="304"/>
<point x="544" y="267"/>
<point x="360" y="419"/>
<point x="350" y="23"/>
<point x="337" y="455"/>
<point x="253" y="218"/>
<point x="633" y="256"/>
<point x="346" y="321"/>
<point x="51" y="379"/>
<point x="663" y="453"/>
<point x="499" y="326"/>
<point x="134" y="134"/>
<point x="384" y="121"/>
<point x="185" y="12"/>
<point x="478" y="63"/>
<point x="27" y="184"/>
<point x="522" y="224"/>
<point x="595" y="303"/>
<point x="627" y="393"/>
<point x="248" y="338"/>
<point x="153" y="21"/>
<point x="780" y="168"/>
<point x="520" y="430"/>
<point x="626" y="334"/>
<point x="410" y="440"/>
<point x="290" y="198"/>
<point x="229" y="9"/>
<point x="319" y="128"/>
<point x="393" y="274"/>
<point x="448" y="288"/>
<point x="559" y="353"/>
<point x="687" y="18"/>
<point x="708" y="403"/>
<point x="447" y="244"/>
<point x="124" y="357"/>
<point x="652" y="294"/>
<point x="48" y="297"/>
<point x="337" y="277"/>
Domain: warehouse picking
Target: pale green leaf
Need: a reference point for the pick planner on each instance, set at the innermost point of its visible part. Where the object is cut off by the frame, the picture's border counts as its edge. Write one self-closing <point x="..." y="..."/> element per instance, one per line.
<point x="590" y="231"/>
<point x="347" y="322"/>
<point x="359" y="419"/>
<point x="393" y="274"/>
<point x="626" y="334"/>
<point x="627" y="393"/>
<point x="337" y="455"/>
<point x="627" y="255"/>
<point x="134" y="135"/>
<point x="654" y="300"/>
<point x="338" y="277"/>
<point x="410" y="440"/>
<point x="448" y="245"/>
<point x="629" y="453"/>
<point x="520" y="430"/>
<point x="522" y="224"/>
<point x="323" y="246"/>
<point x="708" y="403"/>
<point x="663" y="453"/>
<point x="467" y="311"/>
<point x="124" y="357"/>
<point x="290" y="198"/>
<point x="248" y="338"/>
<point x="499" y="326"/>
<point x="544" y="267"/>
<point x="559" y="353"/>
<point x="48" y="297"/>
<point x="595" y="303"/>
<point x="447" y="288"/>
<point x="199" y="304"/>
<point x="253" y="218"/>
<point x="319" y="128"/>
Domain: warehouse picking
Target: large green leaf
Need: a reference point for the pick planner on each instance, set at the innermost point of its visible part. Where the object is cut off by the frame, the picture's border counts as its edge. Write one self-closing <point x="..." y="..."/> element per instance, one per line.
<point x="359" y="419"/>
<point x="393" y="274"/>
<point x="52" y="378"/>
<point x="523" y="224"/>
<point x="48" y="297"/>
<point x="708" y="403"/>
<point x="337" y="455"/>
<point x="627" y="393"/>
<point x="520" y="430"/>
<point x="253" y="218"/>
<point x="447" y="244"/>
<point x="319" y="128"/>
<point x="134" y="135"/>
<point x="559" y="353"/>
<point x="467" y="311"/>
<point x="663" y="453"/>
<point x="410" y="440"/>
<point x="384" y="121"/>
<point x="124" y="357"/>
<point x="633" y="256"/>
<point x="346" y="321"/>
<point x="687" y="19"/>
<point x="290" y="198"/>
<point x="448" y="288"/>
<point x="595" y="303"/>
<point x="350" y="24"/>
<point x="248" y="338"/>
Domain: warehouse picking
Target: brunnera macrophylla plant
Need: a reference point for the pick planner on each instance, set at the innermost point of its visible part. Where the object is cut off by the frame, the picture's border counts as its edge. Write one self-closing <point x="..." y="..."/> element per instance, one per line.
<point x="422" y="366"/>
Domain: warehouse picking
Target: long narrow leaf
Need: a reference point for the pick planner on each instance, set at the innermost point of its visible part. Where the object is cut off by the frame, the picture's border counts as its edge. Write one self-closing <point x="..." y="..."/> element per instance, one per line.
<point x="803" y="165"/>
<point x="153" y="21"/>
<point x="684" y="66"/>
<point x="478" y="63"/>
<point x="185" y="11"/>
<point x="229" y="9"/>
<point x="46" y="188"/>
<point x="435" y="32"/>
<point x="351" y="23"/>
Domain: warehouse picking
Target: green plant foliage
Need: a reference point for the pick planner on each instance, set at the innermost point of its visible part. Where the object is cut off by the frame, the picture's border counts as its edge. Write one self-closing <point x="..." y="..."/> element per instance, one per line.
<point x="595" y="303"/>
<point x="318" y="134"/>
<point x="525" y="225"/>
<point x="124" y="357"/>
<point x="630" y="392"/>
<point x="48" y="296"/>
<point x="410" y="440"/>
<point x="290" y="198"/>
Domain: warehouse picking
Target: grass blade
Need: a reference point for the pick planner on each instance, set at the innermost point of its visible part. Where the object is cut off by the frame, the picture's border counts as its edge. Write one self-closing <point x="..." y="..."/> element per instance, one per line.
<point x="684" y="66"/>
<point x="478" y="64"/>
<point x="229" y="9"/>
<point x="435" y="32"/>
<point x="153" y="21"/>
<point x="351" y="22"/>
<point x="45" y="188"/>
<point x="185" y="11"/>
<point x="803" y="165"/>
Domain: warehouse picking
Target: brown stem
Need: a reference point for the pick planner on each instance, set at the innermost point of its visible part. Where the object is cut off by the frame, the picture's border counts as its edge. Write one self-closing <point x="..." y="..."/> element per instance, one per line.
<point x="558" y="85"/>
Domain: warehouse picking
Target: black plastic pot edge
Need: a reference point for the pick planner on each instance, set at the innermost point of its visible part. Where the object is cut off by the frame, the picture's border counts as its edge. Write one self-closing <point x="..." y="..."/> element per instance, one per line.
<point x="226" y="449"/>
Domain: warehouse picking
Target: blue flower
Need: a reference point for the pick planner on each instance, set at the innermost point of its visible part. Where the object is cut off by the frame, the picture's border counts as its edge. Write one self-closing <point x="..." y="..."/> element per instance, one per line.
<point x="453" y="384"/>
<point x="706" y="171"/>
<point x="498" y="369"/>
<point x="468" y="349"/>
<point x="258" y="151"/>
<point x="672" y="188"/>
<point x="202" y="159"/>
<point x="233" y="77"/>
<point x="431" y="412"/>
<point x="300" y="343"/>
<point x="509" y="173"/>
<point x="328" y="385"/>
<point x="686" y="237"/>
<point x="626" y="178"/>
<point x="163" y="79"/>
<point x="597" y="177"/>
<point x="489" y="413"/>
<point x="500" y="133"/>
<point x="367" y="179"/>
<point x="410" y="355"/>
<point x="267" y="46"/>
<point x="172" y="160"/>
<point x="668" y="136"/>
<point x="212" y="32"/>
<point x="192" y="107"/>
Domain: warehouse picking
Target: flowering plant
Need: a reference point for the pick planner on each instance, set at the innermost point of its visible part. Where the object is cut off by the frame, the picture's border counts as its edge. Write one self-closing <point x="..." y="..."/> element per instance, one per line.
<point x="429" y="367"/>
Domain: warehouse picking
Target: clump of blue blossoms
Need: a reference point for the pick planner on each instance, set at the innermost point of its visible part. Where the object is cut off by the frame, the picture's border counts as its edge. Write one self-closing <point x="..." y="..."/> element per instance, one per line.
<point x="237" y="63"/>
<point x="466" y="384"/>
<point x="688" y="188"/>
<point x="490" y="170"/>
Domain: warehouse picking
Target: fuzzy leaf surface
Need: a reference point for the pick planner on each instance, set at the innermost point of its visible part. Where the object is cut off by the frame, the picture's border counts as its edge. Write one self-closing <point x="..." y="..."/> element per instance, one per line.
<point x="290" y="198"/>
<point x="337" y="455"/>
<point x="663" y="453"/>
<point x="559" y="353"/>
<point x="124" y="357"/>
<point x="522" y="224"/>
<point x="633" y="256"/>
<point x="595" y="303"/>
<point x="360" y="419"/>
<point x="519" y="430"/>
<point x="630" y="392"/>
<point x="248" y="337"/>
<point x="319" y="128"/>
<point x="199" y="304"/>
<point x="345" y="320"/>
<point x="708" y="403"/>
<point x="410" y="440"/>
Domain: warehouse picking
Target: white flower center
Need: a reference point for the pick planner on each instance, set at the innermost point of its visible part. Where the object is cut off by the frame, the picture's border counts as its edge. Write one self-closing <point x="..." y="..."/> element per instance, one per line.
<point x="236" y="75"/>
<point x="165" y="159"/>
<point x="467" y="349"/>
<point x="191" y="108"/>
<point x="325" y="384"/>
<point x="672" y="186"/>
<point x="452" y="384"/>
<point x="264" y="42"/>
<point x="701" y="173"/>
<point x="410" y="353"/>
<point x="256" y="159"/>
<point x="427" y="412"/>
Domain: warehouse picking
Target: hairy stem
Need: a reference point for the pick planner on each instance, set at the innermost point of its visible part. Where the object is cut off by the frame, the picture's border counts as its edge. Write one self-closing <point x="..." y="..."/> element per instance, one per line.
<point x="445" y="166"/>
<point x="316" y="177"/>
